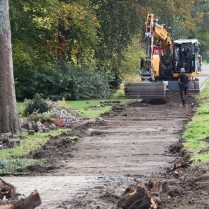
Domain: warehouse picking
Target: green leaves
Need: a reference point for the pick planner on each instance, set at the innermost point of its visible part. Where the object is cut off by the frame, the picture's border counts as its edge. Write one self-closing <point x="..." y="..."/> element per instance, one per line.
<point x="100" y="35"/>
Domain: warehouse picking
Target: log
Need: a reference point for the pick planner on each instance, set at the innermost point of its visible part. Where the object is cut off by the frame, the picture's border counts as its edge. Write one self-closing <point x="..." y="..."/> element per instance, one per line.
<point x="141" y="196"/>
<point x="30" y="202"/>
<point x="135" y="197"/>
<point x="8" y="191"/>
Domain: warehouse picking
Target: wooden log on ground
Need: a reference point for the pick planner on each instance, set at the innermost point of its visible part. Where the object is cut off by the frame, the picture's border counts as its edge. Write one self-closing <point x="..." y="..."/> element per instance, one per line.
<point x="30" y="202"/>
<point x="141" y="196"/>
<point x="8" y="192"/>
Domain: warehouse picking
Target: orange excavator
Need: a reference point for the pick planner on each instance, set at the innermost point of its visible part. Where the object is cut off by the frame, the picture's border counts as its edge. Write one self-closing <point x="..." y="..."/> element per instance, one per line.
<point x="163" y="61"/>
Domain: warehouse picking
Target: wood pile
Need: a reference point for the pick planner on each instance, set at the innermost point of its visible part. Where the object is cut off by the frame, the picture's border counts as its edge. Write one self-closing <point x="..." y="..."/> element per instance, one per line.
<point x="9" y="199"/>
<point x="141" y="195"/>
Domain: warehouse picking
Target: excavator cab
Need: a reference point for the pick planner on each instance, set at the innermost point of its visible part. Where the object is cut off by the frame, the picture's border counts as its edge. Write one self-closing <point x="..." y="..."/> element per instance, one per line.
<point x="186" y="55"/>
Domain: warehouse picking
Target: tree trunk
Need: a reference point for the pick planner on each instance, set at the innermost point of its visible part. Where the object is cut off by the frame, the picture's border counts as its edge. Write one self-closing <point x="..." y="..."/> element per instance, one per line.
<point x="8" y="109"/>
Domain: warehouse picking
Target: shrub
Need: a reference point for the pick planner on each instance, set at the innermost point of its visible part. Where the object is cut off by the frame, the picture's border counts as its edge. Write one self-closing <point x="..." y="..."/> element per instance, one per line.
<point x="3" y="164"/>
<point x="64" y="81"/>
<point x="43" y="117"/>
<point x="37" y="104"/>
<point x="60" y="122"/>
<point x="64" y="105"/>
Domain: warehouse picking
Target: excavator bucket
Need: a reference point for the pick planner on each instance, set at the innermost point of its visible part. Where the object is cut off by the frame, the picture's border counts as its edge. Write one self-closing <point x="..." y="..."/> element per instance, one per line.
<point x="145" y="90"/>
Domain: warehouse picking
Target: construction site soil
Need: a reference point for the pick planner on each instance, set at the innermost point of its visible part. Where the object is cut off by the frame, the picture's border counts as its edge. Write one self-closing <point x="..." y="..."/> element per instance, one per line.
<point x="139" y="140"/>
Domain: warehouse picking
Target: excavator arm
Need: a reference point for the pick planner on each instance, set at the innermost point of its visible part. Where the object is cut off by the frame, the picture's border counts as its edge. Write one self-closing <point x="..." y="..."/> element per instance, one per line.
<point x="154" y="32"/>
<point x="163" y="61"/>
<point x="150" y="66"/>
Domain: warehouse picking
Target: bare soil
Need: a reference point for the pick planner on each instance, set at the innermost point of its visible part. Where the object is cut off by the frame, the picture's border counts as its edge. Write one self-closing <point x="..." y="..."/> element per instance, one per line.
<point x="135" y="141"/>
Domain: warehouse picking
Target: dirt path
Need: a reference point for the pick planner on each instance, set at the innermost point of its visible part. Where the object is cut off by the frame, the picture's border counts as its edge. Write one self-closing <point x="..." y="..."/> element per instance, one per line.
<point x="130" y="141"/>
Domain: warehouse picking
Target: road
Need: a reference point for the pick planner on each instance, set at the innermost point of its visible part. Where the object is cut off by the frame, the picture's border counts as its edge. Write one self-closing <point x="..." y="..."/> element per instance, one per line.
<point x="205" y="76"/>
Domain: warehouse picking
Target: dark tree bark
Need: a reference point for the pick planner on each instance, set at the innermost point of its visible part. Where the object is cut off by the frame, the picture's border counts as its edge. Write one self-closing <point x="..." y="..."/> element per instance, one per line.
<point x="8" y="109"/>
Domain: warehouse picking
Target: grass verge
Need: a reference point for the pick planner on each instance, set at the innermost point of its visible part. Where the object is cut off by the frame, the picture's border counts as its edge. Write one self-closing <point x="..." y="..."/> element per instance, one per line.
<point x="12" y="159"/>
<point x="197" y="130"/>
<point x="93" y="108"/>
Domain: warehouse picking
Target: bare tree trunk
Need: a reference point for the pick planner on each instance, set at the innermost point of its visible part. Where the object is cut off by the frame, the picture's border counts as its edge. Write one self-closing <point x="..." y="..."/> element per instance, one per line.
<point x="8" y="109"/>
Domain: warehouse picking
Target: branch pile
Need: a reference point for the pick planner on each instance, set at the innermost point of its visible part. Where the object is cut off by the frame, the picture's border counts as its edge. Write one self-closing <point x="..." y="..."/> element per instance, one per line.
<point x="9" y="199"/>
<point x="141" y="195"/>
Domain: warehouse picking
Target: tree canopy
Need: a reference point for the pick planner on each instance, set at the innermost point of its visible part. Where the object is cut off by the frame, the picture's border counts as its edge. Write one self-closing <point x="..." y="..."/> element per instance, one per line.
<point x="91" y="35"/>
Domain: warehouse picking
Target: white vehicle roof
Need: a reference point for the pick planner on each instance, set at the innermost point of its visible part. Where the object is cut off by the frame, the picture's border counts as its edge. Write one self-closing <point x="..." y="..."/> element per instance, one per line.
<point x="186" y="41"/>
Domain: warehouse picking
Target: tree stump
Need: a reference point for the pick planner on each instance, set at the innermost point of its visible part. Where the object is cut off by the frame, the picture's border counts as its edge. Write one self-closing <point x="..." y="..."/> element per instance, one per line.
<point x="141" y="196"/>
<point x="12" y="201"/>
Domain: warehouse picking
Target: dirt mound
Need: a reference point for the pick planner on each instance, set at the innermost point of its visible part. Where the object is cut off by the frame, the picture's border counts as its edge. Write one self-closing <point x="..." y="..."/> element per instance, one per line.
<point x="172" y="97"/>
<point x="183" y="186"/>
<point x="186" y="188"/>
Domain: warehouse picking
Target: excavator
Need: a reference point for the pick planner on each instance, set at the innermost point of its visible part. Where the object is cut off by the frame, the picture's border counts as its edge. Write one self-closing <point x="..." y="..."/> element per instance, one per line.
<point x="164" y="59"/>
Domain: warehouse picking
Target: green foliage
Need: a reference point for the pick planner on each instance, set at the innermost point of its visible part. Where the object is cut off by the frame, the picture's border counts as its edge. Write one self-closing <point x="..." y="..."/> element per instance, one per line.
<point x="173" y="13"/>
<point x="119" y="21"/>
<point x="3" y="164"/>
<point x="64" y="105"/>
<point x="43" y="117"/>
<point x="93" y="38"/>
<point x="11" y="165"/>
<point x="65" y="81"/>
<point x="132" y="56"/>
<point x="44" y="31"/>
<point x="200" y="12"/>
<point x="37" y="104"/>
<point x="15" y="158"/>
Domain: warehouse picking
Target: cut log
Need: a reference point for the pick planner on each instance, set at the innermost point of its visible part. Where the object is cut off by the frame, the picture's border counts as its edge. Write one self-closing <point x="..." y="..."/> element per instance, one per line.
<point x="30" y="202"/>
<point x="8" y="191"/>
<point x="141" y="196"/>
<point x="135" y="197"/>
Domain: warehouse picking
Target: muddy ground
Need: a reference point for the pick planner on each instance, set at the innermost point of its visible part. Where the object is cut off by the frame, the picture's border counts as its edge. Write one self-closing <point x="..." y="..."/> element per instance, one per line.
<point x="138" y="140"/>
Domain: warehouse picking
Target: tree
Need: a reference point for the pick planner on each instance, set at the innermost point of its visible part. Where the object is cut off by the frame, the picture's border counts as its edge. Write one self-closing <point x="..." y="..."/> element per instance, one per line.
<point x="132" y="56"/>
<point x="201" y="13"/>
<point x="119" y="22"/>
<point x="8" y="111"/>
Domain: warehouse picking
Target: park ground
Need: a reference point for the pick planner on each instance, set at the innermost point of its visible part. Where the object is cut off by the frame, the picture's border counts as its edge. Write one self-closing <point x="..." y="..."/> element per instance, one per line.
<point x="138" y="140"/>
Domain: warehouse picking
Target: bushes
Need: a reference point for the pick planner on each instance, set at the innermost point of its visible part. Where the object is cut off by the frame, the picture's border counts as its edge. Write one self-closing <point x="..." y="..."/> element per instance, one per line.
<point x="88" y="85"/>
<point x="64" y="81"/>
<point x="37" y="104"/>
<point x="37" y="110"/>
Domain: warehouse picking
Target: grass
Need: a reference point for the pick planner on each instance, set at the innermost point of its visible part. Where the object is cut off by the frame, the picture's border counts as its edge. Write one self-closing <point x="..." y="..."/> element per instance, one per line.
<point x="14" y="158"/>
<point x="86" y="107"/>
<point x="32" y="143"/>
<point x="92" y="108"/>
<point x="198" y="129"/>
